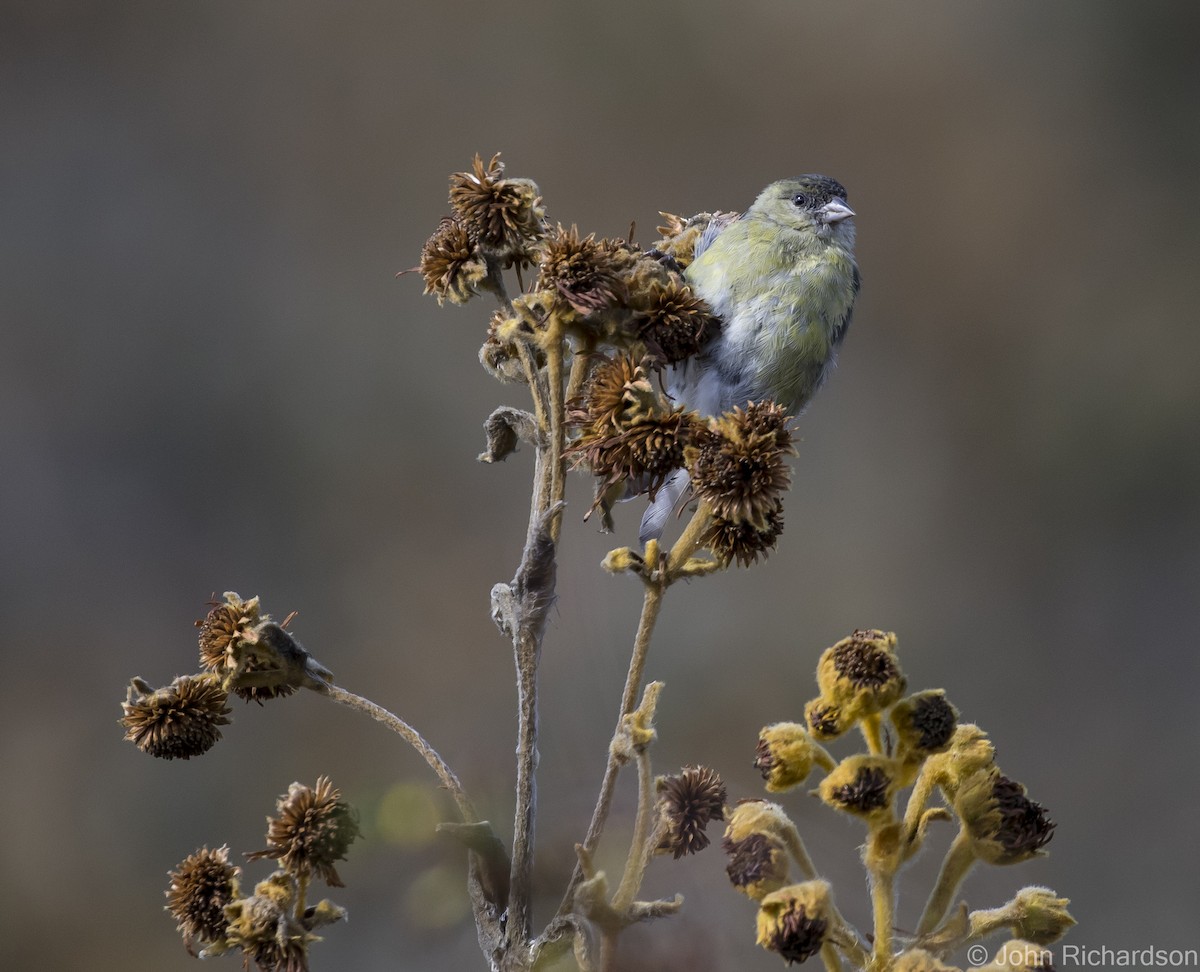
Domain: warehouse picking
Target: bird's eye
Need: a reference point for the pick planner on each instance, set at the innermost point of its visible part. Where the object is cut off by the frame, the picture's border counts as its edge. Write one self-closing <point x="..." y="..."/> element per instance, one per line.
<point x="800" y="200"/>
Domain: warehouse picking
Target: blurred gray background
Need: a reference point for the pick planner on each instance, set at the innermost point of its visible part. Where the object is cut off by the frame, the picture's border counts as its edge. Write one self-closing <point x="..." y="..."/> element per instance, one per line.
<point x="211" y="380"/>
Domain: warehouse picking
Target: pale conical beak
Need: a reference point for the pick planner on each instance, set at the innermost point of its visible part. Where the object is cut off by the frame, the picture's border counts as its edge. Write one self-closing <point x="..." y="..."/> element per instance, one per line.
<point x="834" y="211"/>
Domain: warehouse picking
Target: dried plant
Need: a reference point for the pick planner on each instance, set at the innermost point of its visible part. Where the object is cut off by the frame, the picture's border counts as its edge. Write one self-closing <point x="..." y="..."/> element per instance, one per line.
<point x="589" y="337"/>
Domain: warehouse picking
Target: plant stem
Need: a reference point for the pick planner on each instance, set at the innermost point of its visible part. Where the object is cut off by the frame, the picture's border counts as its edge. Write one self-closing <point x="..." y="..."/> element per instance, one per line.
<point x="527" y="648"/>
<point x="414" y="739"/>
<point x="955" y="866"/>
<point x="651" y="603"/>
<point x="872" y="730"/>
<point x="639" y="847"/>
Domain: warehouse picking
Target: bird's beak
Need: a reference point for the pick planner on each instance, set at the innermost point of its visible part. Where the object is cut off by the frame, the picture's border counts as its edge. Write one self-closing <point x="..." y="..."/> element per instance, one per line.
<point x="835" y="211"/>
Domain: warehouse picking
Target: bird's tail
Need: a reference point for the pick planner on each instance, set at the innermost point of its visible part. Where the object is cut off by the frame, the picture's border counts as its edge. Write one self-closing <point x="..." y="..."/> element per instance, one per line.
<point x="654" y="520"/>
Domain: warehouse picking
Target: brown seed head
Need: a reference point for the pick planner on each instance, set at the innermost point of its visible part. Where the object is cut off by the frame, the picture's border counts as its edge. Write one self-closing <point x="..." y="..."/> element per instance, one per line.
<point x="739" y="464"/>
<point x="680" y="234"/>
<point x="181" y="720"/>
<point x="312" y="829"/>
<point x="742" y="541"/>
<point x="451" y="264"/>
<point x="224" y="627"/>
<point x="201" y="886"/>
<point x="861" y="674"/>
<point x="585" y="271"/>
<point x="672" y="321"/>
<point x="505" y="216"/>
<point x="265" y="929"/>
<point x="686" y="804"/>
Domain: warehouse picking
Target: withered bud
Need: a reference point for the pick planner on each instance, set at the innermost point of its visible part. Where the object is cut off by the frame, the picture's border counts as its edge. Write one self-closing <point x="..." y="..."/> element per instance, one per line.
<point x="785" y="755"/>
<point x="758" y="864"/>
<point x="1006" y="825"/>
<point x="794" y="920"/>
<point x="825" y="720"/>
<point x="861" y="785"/>
<point x="686" y="805"/>
<point x="861" y="674"/>
<point x="925" y="724"/>
<point x="181" y="720"/>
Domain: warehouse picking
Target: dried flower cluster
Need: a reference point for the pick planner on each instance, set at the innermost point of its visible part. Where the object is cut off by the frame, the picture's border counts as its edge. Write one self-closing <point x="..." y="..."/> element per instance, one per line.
<point x="274" y="926"/>
<point x="922" y="748"/>
<point x="242" y="652"/>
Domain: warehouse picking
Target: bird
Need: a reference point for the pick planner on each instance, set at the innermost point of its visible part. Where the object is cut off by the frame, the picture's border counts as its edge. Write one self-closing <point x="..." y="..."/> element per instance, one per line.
<point x="782" y="278"/>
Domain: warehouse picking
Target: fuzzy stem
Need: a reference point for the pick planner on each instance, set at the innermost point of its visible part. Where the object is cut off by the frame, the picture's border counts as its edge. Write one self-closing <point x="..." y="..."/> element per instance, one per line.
<point x="917" y="800"/>
<point x="883" y="905"/>
<point x="872" y="730"/>
<point x="795" y="845"/>
<point x="829" y="955"/>
<point x="651" y="603"/>
<point x="958" y="861"/>
<point x="301" y="896"/>
<point x="689" y="541"/>
<point x="641" y="845"/>
<point x="414" y="739"/>
<point x="558" y="431"/>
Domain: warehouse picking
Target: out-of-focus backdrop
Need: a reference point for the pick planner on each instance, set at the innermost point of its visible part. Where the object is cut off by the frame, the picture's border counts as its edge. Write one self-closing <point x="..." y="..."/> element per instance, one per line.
<point x="211" y="380"/>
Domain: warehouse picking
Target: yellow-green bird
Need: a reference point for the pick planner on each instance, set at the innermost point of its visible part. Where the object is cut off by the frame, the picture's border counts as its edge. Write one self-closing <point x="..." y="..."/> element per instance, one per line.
<point x="782" y="278"/>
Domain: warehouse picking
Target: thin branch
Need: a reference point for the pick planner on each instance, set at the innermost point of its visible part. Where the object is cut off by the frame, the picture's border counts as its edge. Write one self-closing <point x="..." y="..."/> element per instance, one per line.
<point x="651" y="603"/>
<point x="414" y="739"/>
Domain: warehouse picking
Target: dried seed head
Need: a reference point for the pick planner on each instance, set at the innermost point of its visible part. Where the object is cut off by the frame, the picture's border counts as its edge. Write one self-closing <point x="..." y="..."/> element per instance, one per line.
<point x="617" y="396"/>
<point x="1006" y="825"/>
<point x="785" y="755"/>
<point x="181" y="720"/>
<point x="860" y="674"/>
<point x="312" y="829"/>
<point x="224" y="627"/>
<point x="451" y="264"/>
<point x="680" y="234"/>
<point x="686" y="804"/>
<point x="672" y="321"/>
<point x="758" y="864"/>
<point x="739" y="464"/>
<point x="742" y="541"/>
<point x="925" y="724"/>
<point x="793" y="921"/>
<point x="505" y="216"/>
<point x="201" y="886"/>
<point x="584" y="271"/>
<point x="861" y="785"/>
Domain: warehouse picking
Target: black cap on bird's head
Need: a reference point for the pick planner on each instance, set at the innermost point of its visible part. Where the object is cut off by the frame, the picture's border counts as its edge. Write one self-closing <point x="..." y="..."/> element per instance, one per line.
<point x="818" y="196"/>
